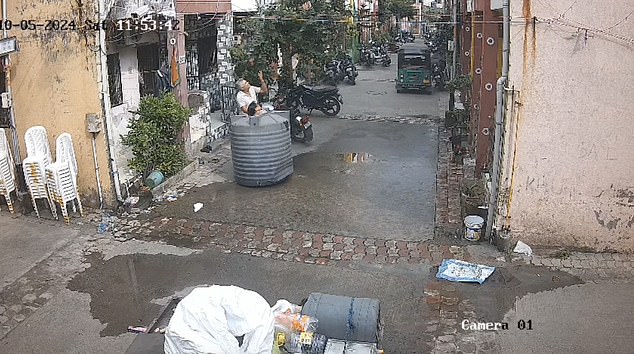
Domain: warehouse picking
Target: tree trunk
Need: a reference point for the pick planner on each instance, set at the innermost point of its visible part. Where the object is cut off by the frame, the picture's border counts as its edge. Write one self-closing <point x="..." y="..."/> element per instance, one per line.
<point x="286" y="75"/>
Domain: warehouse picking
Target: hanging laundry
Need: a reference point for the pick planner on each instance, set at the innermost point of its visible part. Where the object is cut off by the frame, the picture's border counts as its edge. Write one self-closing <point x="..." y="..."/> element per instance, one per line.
<point x="175" y="69"/>
<point x="164" y="80"/>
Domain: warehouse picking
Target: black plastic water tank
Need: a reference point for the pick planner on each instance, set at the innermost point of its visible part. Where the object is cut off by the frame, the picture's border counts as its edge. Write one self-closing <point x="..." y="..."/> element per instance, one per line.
<point x="261" y="149"/>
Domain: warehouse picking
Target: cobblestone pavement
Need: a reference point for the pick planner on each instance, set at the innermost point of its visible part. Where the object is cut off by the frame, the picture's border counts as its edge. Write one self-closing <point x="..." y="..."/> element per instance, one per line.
<point x="288" y="245"/>
<point x="451" y="308"/>
<point x="410" y="119"/>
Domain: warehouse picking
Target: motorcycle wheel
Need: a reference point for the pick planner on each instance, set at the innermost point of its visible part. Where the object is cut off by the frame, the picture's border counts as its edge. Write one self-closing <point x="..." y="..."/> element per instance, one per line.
<point x="308" y="135"/>
<point x="353" y="81"/>
<point x="331" y="107"/>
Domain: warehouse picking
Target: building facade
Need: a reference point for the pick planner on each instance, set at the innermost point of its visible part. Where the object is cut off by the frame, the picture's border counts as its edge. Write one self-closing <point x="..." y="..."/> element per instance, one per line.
<point x="567" y="166"/>
<point x="55" y="81"/>
<point x="97" y="65"/>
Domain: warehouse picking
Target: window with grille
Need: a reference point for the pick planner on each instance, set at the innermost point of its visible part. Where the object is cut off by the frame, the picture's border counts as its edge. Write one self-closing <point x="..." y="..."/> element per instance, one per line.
<point x="114" y="80"/>
<point x="148" y="57"/>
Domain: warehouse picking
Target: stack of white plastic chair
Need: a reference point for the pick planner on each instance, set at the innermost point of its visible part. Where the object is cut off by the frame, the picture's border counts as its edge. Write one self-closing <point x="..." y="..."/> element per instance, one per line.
<point x="61" y="176"/>
<point x="34" y="166"/>
<point x="7" y="171"/>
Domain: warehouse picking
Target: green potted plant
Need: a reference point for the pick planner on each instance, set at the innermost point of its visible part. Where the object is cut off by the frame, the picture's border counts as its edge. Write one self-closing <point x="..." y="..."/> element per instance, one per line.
<point x="155" y="136"/>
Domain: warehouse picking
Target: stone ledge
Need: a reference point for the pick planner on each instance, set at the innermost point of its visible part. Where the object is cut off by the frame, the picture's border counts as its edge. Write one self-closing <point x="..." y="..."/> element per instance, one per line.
<point x="175" y="179"/>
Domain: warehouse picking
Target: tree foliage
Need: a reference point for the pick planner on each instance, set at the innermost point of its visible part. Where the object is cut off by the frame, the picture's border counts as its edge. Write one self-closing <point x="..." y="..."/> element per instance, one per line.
<point x="399" y="8"/>
<point x="313" y="31"/>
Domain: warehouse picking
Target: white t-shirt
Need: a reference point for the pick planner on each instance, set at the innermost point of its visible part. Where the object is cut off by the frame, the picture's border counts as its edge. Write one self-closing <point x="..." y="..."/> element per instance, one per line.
<point x="245" y="100"/>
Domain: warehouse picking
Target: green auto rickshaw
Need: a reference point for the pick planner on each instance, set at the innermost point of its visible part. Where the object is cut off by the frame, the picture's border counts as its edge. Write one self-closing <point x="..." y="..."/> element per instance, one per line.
<point x="414" y="69"/>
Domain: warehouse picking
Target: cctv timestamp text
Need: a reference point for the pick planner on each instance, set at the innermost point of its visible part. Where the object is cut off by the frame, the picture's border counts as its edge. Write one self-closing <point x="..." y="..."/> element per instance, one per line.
<point x="129" y="24"/>
<point x="45" y="25"/>
<point x="147" y="23"/>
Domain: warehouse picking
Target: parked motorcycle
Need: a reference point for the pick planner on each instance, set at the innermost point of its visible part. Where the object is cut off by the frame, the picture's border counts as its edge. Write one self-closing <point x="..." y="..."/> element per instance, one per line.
<point x="375" y="53"/>
<point x="301" y="127"/>
<point x="341" y="70"/>
<point x="324" y="99"/>
<point x="404" y="37"/>
<point x="367" y="56"/>
<point x="438" y="76"/>
<point x="350" y="70"/>
<point x="333" y="71"/>
<point x="382" y="54"/>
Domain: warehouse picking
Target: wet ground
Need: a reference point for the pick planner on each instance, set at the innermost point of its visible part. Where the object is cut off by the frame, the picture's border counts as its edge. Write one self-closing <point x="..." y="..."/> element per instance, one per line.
<point x="364" y="179"/>
<point x="132" y="289"/>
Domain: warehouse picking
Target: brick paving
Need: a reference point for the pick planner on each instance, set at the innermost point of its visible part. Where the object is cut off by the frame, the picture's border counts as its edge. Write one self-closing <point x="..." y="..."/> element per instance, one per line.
<point x="288" y="245"/>
<point x="449" y="309"/>
<point x="587" y="266"/>
<point x="448" y="180"/>
<point x="412" y="119"/>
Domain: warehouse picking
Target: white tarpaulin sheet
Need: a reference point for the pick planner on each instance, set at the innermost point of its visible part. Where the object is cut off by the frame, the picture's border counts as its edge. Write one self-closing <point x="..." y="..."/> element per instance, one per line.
<point x="209" y="319"/>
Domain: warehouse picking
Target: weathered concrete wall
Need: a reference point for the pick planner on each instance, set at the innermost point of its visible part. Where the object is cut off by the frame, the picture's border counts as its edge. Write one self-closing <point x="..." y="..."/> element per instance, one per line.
<point x="55" y="84"/>
<point x="120" y="114"/>
<point x="573" y="174"/>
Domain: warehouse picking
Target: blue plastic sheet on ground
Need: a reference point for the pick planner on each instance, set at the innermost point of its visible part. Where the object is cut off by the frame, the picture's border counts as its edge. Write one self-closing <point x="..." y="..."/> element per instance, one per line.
<point x="455" y="270"/>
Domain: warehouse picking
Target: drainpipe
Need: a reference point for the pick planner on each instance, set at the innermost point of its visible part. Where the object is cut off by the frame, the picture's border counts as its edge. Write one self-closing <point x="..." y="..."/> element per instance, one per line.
<point x="17" y="159"/>
<point x="499" y="120"/>
<point x="105" y="102"/>
<point x="455" y="38"/>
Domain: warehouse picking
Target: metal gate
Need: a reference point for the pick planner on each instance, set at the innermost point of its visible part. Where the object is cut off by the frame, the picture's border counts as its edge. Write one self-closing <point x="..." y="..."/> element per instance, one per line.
<point x="229" y="103"/>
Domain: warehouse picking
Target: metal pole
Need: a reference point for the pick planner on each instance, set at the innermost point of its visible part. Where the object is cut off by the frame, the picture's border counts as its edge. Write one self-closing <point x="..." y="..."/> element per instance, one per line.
<point x="455" y="38"/>
<point x="499" y="121"/>
<point x="94" y="155"/>
<point x="105" y="103"/>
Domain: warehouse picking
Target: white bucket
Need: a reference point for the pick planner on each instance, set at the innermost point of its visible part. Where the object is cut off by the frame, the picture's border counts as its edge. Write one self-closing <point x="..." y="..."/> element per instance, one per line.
<point x="473" y="227"/>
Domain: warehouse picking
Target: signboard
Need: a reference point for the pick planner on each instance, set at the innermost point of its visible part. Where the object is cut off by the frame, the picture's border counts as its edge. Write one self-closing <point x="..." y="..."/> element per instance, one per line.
<point x="8" y="45"/>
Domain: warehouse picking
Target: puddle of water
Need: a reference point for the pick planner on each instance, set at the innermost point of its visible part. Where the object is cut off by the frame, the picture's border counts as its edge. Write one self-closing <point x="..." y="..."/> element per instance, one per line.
<point x="498" y="294"/>
<point x="356" y="157"/>
<point x="124" y="289"/>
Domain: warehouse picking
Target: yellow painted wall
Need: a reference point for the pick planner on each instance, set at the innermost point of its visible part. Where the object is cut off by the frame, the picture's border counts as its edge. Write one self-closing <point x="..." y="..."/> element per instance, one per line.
<point x="54" y="79"/>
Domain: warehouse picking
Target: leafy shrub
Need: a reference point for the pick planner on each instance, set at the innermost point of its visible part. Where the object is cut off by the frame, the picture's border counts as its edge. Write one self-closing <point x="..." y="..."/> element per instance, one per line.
<point x="154" y="135"/>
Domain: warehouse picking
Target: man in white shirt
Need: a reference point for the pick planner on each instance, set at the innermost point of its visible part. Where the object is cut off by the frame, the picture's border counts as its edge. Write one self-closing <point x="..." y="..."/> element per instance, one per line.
<point x="248" y="94"/>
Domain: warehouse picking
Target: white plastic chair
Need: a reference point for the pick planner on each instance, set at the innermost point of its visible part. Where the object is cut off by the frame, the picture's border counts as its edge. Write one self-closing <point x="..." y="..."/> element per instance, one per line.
<point x="34" y="166"/>
<point x="61" y="176"/>
<point x="7" y="171"/>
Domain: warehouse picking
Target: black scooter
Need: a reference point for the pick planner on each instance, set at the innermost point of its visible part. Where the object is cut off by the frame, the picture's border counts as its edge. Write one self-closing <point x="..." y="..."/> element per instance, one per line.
<point x="301" y="127"/>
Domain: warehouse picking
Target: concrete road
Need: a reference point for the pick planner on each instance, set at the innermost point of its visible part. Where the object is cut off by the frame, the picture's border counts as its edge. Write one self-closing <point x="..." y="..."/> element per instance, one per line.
<point x="587" y="318"/>
<point x="389" y="193"/>
<point x="26" y="242"/>
<point x="375" y="94"/>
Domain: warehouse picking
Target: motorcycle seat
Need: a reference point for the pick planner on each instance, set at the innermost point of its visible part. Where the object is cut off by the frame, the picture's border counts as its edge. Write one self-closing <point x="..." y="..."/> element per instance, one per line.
<point x="322" y="89"/>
